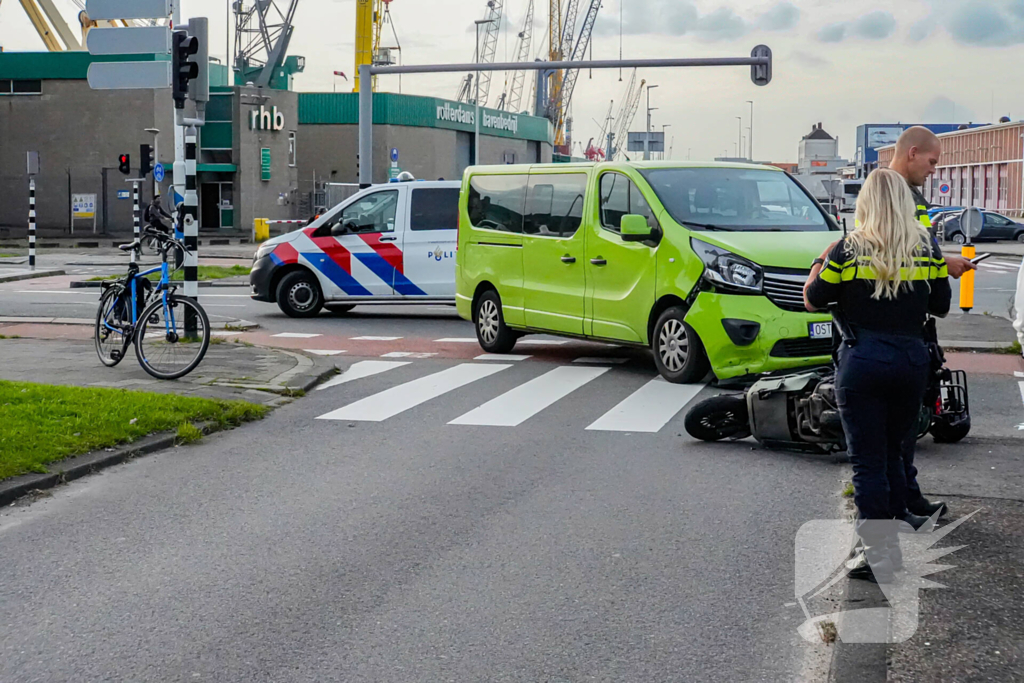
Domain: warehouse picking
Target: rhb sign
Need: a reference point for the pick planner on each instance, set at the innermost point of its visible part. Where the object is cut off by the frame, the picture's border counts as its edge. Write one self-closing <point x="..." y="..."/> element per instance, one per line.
<point x="266" y="119"/>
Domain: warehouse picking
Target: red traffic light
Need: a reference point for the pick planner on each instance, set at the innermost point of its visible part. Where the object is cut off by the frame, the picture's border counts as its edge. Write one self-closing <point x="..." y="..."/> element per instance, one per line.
<point x="124" y="164"/>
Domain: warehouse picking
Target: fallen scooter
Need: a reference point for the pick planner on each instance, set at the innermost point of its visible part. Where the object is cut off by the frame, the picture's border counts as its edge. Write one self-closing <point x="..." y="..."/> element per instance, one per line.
<point x="800" y="411"/>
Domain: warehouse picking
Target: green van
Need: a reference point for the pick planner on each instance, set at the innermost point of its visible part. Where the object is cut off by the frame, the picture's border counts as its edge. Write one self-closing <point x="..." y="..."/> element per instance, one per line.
<point x="704" y="263"/>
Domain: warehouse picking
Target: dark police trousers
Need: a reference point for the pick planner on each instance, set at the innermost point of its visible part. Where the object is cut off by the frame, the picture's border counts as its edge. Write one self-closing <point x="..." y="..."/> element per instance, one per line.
<point x="880" y="386"/>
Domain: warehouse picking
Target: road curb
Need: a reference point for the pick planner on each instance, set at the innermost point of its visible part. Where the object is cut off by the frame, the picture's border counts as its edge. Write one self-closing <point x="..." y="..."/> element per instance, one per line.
<point x="96" y="284"/>
<point x="860" y="662"/>
<point x="31" y="276"/>
<point x="83" y="465"/>
<point x="237" y="325"/>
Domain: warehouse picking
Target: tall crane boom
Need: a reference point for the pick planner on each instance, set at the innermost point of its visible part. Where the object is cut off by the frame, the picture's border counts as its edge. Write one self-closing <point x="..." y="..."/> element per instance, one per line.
<point x="50" y="25"/>
<point x="627" y="112"/>
<point x="515" y="82"/>
<point x="495" y="10"/>
<point x="371" y="16"/>
<point x="579" y="53"/>
<point x="263" y="32"/>
<point x="570" y="48"/>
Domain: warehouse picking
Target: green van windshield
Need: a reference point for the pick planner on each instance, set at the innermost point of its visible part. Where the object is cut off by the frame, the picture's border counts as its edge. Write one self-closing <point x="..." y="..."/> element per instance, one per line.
<point x="735" y="199"/>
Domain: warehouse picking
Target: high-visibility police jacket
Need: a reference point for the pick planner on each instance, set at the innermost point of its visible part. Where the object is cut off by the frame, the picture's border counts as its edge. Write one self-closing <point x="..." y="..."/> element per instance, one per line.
<point x="849" y="281"/>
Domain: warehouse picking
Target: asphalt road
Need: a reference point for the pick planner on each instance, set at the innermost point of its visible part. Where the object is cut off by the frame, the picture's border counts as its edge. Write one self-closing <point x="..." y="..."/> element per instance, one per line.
<point x="388" y="544"/>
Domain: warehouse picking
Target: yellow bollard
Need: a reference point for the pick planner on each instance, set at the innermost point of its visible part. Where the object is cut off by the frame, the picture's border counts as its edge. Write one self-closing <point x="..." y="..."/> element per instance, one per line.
<point x="261" y="230"/>
<point x="967" y="281"/>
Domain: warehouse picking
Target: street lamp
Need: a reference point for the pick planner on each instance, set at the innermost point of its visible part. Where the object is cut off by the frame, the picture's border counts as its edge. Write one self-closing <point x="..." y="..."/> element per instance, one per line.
<point x="751" y="103"/>
<point x="647" y="137"/>
<point x="476" y="100"/>
<point x="664" y="150"/>
<point x="739" y="139"/>
<point x="155" y="132"/>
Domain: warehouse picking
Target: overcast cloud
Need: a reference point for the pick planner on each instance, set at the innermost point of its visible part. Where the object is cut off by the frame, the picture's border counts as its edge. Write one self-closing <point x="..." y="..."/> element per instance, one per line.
<point x="835" y="62"/>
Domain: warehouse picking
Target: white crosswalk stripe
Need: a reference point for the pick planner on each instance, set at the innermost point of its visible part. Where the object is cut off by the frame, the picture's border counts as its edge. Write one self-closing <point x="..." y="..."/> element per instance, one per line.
<point x="520" y="404"/>
<point x="396" y="400"/>
<point x="646" y="410"/>
<point x="649" y="408"/>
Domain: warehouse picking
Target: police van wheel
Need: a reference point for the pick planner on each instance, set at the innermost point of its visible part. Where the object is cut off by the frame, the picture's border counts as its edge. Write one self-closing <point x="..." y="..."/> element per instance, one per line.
<point x="491" y="331"/>
<point x="299" y="295"/>
<point x="678" y="352"/>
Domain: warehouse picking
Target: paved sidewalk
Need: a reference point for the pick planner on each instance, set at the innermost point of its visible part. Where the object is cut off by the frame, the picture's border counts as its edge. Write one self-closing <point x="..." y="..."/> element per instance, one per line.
<point x="19" y="274"/>
<point x="994" y="248"/>
<point x="229" y="371"/>
<point x="975" y="331"/>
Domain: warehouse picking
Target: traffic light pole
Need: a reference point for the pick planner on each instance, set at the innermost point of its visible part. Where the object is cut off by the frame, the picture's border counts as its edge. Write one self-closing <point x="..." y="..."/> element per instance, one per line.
<point x="191" y="208"/>
<point x="135" y="213"/>
<point x="32" y="223"/>
<point x="760" y="63"/>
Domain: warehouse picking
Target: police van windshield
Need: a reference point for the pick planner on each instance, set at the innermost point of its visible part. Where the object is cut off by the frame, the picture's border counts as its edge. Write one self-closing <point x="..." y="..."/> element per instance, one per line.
<point x="735" y="200"/>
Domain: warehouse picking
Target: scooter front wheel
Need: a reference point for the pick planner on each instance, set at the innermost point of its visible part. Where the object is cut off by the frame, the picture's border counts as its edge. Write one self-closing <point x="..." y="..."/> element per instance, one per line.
<point x="718" y="418"/>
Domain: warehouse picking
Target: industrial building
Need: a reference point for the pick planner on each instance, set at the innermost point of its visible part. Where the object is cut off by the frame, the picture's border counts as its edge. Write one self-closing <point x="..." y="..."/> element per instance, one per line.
<point x="261" y="153"/>
<point x="872" y="137"/>
<point x="979" y="167"/>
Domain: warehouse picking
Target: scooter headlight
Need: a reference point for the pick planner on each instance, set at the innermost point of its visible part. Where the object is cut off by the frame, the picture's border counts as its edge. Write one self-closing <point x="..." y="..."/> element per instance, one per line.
<point x="727" y="270"/>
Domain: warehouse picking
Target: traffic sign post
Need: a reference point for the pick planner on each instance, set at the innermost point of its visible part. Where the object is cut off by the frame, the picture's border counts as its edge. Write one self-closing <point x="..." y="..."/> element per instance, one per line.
<point x="140" y="40"/>
<point x="104" y="10"/>
<point x="159" y="173"/>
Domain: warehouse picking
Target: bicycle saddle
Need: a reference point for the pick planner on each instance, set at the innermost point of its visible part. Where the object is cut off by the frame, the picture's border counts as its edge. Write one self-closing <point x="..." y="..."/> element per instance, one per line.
<point x="129" y="247"/>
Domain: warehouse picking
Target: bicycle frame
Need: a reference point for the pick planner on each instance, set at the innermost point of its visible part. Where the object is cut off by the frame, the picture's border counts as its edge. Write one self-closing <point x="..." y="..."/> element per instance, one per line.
<point x="162" y="288"/>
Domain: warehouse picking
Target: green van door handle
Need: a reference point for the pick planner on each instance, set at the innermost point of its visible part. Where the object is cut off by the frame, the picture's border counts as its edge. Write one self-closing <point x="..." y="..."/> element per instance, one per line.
<point x="568" y="259"/>
<point x="599" y="262"/>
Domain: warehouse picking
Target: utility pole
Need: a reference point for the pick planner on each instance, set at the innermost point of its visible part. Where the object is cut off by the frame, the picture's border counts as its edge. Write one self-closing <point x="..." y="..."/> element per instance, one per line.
<point x="476" y="100"/>
<point x="647" y="137"/>
<point x="664" y="150"/>
<point x="751" y="103"/>
<point x="739" y="139"/>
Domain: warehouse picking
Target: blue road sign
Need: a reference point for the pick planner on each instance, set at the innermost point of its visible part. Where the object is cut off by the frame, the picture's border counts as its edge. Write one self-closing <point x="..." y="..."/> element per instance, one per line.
<point x="158" y="173"/>
<point x="394" y="154"/>
<point x="124" y="194"/>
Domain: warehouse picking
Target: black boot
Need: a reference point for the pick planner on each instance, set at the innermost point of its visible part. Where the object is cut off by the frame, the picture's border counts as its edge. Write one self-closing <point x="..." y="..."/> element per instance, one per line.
<point x="914" y="521"/>
<point x="925" y="508"/>
<point x="874" y="565"/>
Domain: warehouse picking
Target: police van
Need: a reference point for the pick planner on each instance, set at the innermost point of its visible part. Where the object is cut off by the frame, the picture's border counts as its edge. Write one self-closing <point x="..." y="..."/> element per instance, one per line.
<point x="389" y="244"/>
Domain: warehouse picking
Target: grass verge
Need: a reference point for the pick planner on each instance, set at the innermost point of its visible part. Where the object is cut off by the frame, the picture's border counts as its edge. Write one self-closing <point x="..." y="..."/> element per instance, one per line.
<point x="205" y="273"/>
<point x="41" y="423"/>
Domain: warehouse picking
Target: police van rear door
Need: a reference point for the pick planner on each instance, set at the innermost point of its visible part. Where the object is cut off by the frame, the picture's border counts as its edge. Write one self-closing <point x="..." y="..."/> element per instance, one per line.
<point x="430" y="240"/>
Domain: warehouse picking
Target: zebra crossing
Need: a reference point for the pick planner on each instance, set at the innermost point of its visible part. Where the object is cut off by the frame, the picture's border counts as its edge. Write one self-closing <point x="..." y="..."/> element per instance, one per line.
<point x="647" y="409"/>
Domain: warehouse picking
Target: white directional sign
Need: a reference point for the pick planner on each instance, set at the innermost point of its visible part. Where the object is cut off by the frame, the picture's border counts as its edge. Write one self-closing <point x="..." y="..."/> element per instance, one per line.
<point x="100" y="10"/>
<point x="129" y="75"/>
<point x="141" y="40"/>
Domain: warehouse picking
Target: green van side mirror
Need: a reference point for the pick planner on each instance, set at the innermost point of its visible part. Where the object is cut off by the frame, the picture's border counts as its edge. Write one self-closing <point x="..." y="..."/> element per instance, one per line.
<point x="634" y="228"/>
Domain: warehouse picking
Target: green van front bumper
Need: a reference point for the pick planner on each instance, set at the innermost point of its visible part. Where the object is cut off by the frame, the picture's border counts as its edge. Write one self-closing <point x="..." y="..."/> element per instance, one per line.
<point x="782" y="339"/>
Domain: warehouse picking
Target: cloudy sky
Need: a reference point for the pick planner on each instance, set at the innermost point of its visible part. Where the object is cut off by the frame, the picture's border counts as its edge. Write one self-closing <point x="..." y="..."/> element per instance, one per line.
<point x="841" y="62"/>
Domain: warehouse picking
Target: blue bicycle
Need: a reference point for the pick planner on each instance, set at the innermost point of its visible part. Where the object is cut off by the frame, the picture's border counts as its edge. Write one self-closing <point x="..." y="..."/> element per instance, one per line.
<point x="171" y="332"/>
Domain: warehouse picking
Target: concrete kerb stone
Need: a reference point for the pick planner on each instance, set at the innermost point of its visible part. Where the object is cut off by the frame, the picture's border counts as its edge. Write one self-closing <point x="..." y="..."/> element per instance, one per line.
<point x="228" y="282"/>
<point x="29" y="275"/>
<point x="233" y="325"/>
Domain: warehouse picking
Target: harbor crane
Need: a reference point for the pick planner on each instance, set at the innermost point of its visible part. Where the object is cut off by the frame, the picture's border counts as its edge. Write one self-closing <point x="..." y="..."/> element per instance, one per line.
<point x="492" y="27"/>
<point x="263" y="31"/>
<point x="515" y="81"/>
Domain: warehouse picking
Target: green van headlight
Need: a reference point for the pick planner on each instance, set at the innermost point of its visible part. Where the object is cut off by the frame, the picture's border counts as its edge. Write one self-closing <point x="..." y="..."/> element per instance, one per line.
<point x="725" y="269"/>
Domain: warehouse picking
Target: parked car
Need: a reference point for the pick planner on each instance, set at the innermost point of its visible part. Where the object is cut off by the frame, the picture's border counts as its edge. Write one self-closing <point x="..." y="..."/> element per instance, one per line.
<point x="695" y="261"/>
<point x="996" y="227"/>
<point x="391" y="243"/>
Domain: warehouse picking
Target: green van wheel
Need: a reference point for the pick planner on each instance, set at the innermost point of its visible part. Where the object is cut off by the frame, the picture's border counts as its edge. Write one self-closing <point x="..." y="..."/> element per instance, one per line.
<point x="491" y="331"/>
<point x="678" y="352"/>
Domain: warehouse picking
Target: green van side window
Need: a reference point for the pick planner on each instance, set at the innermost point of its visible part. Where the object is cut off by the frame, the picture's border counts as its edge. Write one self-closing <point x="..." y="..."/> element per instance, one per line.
<point x="497" y="202"/>
<point x="554" y="207"/>
<point x="619" y="197"/>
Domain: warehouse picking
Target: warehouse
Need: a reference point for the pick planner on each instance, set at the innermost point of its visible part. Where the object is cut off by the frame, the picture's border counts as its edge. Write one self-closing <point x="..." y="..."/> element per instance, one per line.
<point x="264" y="153"/>
<point x="979" y="167"/>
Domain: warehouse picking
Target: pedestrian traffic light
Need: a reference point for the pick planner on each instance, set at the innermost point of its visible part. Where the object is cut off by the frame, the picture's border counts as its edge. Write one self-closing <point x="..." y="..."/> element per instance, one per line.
<point x="183" y="70"/>
<point x="124" y="164"/>
<point x="145" y="160"/>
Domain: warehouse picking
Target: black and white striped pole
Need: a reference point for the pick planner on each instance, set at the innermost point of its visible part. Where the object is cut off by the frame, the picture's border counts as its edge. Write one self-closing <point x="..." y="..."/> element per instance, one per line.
<point x="33" y="171"/>
<point x="32" y="223"/>
<point x="191" y="207"/>
<point x="135" y="213"/>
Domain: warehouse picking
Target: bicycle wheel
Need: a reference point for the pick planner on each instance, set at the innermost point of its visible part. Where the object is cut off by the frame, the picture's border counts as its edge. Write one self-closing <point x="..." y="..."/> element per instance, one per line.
<point x="164" y="345"/>
<point x="113" y="326"/>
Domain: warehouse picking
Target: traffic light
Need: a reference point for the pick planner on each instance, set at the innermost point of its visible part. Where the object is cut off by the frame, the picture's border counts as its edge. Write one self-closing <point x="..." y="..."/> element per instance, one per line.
<point x="183" y="70"/>
<point x="145" y="160"/>
<point x="124" y="164"/>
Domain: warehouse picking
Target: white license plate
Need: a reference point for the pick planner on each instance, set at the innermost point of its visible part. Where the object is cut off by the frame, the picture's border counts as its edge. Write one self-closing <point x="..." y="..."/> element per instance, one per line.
<point x="820" y="330"/>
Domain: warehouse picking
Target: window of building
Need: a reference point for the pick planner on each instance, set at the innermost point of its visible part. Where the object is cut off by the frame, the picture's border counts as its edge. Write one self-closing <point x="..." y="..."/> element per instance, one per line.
<point x="1004" y="187"/>
<point x="435" y="209"/>
<point x="292" y="155"/>
<point x="965" y="186"/>
<point x="21" y="87"/>
<point x="555" y="204"/>
<point x="619" y="197"/>
<point x="954" y="194"/>
<point x="497" y="202"/>
<point x="990" y="187"/>
<point x="977" y="187"/>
